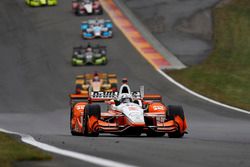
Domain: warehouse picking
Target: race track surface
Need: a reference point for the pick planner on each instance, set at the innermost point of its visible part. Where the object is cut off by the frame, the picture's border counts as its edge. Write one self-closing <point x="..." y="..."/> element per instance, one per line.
<point x="36" y="78"/>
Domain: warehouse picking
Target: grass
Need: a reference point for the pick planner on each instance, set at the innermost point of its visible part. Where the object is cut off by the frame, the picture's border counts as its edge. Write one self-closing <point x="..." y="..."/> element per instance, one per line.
<point x="12" y="150"/>
<point x="225" y="75"/>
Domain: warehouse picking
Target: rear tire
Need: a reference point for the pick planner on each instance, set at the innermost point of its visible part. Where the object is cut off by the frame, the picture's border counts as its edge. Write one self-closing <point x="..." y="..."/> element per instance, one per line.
<point x="172" y="112"/>
<point x="105" y="62"/>
<point x="100" y="12"/>
<point x="78" y="88"/>
<point x="90" y="110"/>
<point x="77" y="12"/>
<point x="73" y="64"/>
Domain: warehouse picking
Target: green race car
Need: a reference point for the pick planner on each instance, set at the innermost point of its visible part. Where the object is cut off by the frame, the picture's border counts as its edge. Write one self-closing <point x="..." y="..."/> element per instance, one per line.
<point x="89" y="55"/>
<point x="41" y="2"/>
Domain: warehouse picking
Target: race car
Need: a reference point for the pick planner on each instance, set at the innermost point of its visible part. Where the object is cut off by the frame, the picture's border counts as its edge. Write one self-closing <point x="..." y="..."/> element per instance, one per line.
<point x="89" y="55"/>
<point x="127" y="114"/>
<point x="96" y="82"/>
<point x="96" y="28"/>
<point x="41" y="2"/>
<point x="84" y="7"/>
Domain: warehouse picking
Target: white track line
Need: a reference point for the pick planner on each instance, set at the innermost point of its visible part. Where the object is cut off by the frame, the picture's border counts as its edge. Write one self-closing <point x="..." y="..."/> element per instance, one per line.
<point x="200" y="96"/>
<point x="80" y="156"/>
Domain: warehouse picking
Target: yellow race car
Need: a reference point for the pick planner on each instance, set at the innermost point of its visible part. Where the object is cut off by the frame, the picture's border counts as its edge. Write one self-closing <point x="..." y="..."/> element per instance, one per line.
<point x="41" y="2"/>
<point x="96" y="82"/>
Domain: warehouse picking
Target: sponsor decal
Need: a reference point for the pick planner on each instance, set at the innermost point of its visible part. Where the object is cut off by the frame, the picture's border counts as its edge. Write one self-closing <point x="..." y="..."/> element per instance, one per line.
<point x="132" y="108"/>
<point x="135" y="115"/>
<point x="112" y="95"/>
<point x="80" y="107"/>
<point x="158" y="107"/>
<point x="108" y="95"/>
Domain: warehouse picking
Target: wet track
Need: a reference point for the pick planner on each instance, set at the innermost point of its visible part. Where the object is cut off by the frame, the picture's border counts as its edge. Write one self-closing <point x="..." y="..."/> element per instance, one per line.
<point x="36" y="78"/>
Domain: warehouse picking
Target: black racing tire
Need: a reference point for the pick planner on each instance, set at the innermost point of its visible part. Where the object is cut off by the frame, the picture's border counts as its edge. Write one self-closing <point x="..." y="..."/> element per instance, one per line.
<point x="100" y="12"/>
<point x="105" y="62"/>
<point x="78" y="86"/>
<point x="90" y="110"/>
<point x="73" y="133"/>
<point x="172" y="112"/>
<point x="73" y="64"/>
<point x="29" y="3"/>
<point x="112" y="36"/>
<point x="77" y="12"/>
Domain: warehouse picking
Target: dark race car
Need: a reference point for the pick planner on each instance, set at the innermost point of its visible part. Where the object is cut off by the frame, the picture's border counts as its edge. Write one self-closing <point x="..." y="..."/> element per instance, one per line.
<point x="89" y="55"/>
<point x="86" y="7"/>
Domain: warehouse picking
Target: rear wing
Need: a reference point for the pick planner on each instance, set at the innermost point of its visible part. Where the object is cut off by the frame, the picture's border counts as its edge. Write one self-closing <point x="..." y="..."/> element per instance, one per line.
<point x="93" y="97"/>
<point x="106" y="96"/>
<point x="79" y="48"/>
<point x="152" y="97"/>
<point x="74" y="98"/>
<point x="99" y="96"/>
<point x="102" y="96"/>
<point x="149" y="97"/>
<point x="99" y="47"/>
<point x="91" y="76"/>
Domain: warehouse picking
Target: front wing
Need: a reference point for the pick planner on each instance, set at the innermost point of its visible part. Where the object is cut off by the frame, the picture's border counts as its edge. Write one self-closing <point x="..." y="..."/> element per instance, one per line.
<point x="120" y="124"/>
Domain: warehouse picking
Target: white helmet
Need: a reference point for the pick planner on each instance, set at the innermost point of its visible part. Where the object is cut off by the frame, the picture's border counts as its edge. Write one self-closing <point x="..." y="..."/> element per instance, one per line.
<point x="125" y="98"/>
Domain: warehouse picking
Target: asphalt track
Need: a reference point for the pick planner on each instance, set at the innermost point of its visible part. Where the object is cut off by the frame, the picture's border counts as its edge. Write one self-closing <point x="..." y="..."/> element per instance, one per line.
<point x="36" y="77"/>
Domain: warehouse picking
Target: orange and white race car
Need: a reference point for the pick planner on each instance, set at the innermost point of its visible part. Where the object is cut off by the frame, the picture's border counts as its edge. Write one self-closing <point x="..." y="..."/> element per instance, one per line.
<point x="128" y="113"/>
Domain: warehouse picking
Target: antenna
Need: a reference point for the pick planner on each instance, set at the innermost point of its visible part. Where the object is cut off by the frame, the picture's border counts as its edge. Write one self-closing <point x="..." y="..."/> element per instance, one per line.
<point x="90" y="90"/>
<point x="142" y="91"/>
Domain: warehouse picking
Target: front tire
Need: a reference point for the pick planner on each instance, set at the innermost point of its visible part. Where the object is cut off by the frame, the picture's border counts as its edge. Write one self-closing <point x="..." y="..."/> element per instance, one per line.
<point x="91" y="110"/>
<point x="73" y="133"/>
<point x="78" y="88"/>
<point x="100" y="12"/>
<point x="172" y="112"/>
<point x="73" y="64"/>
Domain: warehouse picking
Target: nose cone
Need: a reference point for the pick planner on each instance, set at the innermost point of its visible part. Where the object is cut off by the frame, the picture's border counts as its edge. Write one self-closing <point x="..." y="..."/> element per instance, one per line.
<point x="96" y="86"/>
<point x="89" y="8"/>
<point x="135" y="115"/>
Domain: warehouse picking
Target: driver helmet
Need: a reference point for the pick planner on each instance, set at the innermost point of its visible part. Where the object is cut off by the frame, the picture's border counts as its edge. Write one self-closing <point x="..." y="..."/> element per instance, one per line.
<point x="96" y="77"/>
<point x="126" y="98"/>
<point x="89" y="48"/>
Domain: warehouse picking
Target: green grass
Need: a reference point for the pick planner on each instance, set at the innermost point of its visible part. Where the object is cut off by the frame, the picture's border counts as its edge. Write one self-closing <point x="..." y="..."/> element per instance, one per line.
<point x="225" y="75"/>
<point x="12" y="150"/>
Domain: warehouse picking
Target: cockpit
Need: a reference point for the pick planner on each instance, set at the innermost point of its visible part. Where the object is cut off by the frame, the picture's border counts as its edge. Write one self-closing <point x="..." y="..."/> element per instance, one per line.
<point x="126" y="98"/>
